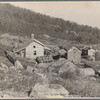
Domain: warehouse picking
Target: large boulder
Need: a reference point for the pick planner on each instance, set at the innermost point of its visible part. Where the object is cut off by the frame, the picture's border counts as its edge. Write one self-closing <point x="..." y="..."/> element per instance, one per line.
<point x="68" y="70"/>
<point x="67" y="66"/>
<point x="87" y="72"/>
<point x="54" y="67"/>
<point x="49" y="91"/>
<point x="41" y="68"/>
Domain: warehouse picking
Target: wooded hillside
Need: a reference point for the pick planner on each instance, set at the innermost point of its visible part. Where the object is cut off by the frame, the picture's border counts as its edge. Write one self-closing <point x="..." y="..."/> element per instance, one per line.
<point x="21" y="21"/>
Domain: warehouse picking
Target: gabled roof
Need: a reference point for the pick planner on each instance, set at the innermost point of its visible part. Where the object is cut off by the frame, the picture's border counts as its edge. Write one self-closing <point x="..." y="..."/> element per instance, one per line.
<point x="70" y="46"/>
<point x="24" y="45"/>
<point x="86" y="48"/>
<point x="80" y="46"/>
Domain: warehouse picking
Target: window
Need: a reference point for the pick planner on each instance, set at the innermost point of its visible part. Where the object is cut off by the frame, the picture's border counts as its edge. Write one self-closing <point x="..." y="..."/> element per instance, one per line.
<point x="34" y="46"/>
<point x="34" y="52"/>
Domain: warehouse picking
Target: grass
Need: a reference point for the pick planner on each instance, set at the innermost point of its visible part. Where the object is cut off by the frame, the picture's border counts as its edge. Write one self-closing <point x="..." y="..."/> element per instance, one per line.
<point x="18" y="81"/>
<point x="77" y="85"/>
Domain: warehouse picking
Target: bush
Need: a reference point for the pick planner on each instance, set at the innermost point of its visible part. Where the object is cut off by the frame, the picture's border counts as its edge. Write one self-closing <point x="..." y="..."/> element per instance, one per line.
<point x="2" y="75"/>
<point x="70" y="75"/>
<point x="82" y="87"/>
<point x="18" y="81"/>
<point x="97" y="56"/>
<point x="92" y="89"/>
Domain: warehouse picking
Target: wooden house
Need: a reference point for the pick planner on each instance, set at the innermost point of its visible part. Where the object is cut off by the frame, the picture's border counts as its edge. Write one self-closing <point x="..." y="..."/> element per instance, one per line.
<point x="31" y="49"/>
<point x="74" y="54"/>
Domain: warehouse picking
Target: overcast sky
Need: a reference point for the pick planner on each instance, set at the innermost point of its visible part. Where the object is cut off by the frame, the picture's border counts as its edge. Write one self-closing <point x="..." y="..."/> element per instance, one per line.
<point x="87" y="13"/>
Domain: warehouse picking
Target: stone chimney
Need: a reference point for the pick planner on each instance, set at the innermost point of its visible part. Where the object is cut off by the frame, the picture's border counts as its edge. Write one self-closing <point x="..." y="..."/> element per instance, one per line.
<point x="32" y="36"/>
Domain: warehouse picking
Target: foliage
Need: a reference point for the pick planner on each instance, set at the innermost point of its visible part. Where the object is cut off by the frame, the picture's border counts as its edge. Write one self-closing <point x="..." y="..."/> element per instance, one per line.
<point x="24" y="22"/>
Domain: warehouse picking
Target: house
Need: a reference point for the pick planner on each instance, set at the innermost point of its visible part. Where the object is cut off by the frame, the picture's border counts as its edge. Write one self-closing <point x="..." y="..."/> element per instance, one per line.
<point x="31" y="49"/>
<point x="74" y="54"/>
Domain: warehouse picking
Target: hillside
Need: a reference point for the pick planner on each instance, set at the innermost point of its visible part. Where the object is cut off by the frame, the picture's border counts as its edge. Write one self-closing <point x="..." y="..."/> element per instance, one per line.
<point x="21" y="21"/>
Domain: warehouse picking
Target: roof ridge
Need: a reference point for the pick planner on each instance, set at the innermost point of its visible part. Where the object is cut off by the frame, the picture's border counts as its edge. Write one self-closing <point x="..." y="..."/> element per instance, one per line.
<point x="25" y="44"/>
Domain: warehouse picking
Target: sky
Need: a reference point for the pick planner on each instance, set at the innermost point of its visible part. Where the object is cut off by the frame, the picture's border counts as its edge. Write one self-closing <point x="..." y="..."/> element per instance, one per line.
<point x="82" y="12"/>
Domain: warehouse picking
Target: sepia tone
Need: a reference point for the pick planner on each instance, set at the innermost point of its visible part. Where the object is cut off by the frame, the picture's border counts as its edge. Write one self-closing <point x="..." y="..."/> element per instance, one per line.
<point x="44" y="56"/>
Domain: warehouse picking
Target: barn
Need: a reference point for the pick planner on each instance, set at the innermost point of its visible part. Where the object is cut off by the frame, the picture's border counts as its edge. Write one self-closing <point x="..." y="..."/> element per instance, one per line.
<point x="74" y="54"/>
<point x="31" y="49"/>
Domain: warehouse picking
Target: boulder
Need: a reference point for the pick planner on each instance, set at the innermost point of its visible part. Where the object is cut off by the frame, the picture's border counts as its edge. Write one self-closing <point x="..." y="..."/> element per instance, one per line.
<point x="54" y="67"/>
<point x="41" y="68"/>
<point x="87" y="72"/>
<point x="67" y="66"/>
<point x="18" y="65"/>
<point x="44" y="78"/>
<point x="29" y="68"/>
<point x="49" y="91"/>
<point x="4" y="66"/>
<point x="68" y="70"/>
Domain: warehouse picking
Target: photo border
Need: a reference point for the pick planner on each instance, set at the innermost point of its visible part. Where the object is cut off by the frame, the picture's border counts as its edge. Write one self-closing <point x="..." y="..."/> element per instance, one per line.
<point x="80" y="98"/>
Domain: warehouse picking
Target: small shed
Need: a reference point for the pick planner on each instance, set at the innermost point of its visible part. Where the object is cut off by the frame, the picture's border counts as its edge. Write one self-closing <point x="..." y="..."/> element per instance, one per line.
<point x="74" y="54"/>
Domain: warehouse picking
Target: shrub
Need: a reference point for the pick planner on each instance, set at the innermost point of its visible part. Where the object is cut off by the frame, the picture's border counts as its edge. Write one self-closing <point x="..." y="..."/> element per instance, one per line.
<point x="2" y="75"/>
<point x="92" y="89"/>
<point x="70" y="75"/>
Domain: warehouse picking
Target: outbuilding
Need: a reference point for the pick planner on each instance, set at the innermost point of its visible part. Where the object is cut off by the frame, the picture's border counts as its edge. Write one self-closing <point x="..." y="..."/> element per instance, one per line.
<point x="74" y="54"/>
